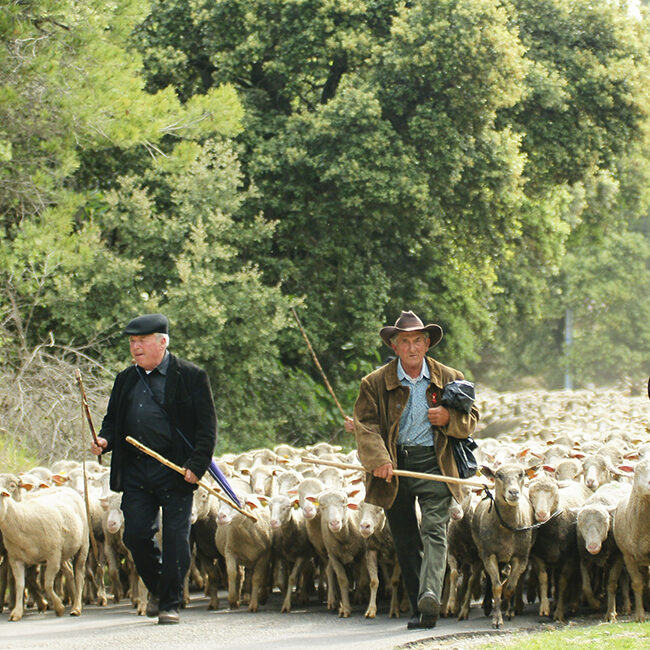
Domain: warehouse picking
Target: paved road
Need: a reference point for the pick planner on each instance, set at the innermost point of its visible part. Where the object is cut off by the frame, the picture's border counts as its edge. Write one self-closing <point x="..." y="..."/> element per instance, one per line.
<point x="312" y="628"/>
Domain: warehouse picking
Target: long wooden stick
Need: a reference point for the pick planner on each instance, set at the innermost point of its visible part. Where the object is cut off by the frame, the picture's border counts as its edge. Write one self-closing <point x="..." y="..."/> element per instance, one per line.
<point x="86" y="409"/>
<point x="161" y="459"/>
<point x="313" y="354"/>
<point x="400" y="472"/>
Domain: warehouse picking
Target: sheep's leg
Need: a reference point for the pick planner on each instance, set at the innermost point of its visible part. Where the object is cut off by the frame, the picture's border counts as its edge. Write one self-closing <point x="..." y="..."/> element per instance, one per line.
<point x="291" y="582"/>
<point x="475" y="578"/>
<point x="18" y="569"/>
<point x="517" y="568"/>
<point x="344" y="586"/>
<point x="4" y="563"/>
<point x="636" y="576"/>
<point x="331" y="585"/>
<point x="34" y="588"/>
<point x="395" y="581"/>
<point x="233" y="581"/>
<point x="612" y="583"/>
<point x="67" y="573"/>
<point x="451" y="587"/>
<point x="212" y="585"/>
<point x="51" y="570"/>
<point x="79" y="578"/>
<point x="114" y="572"/>
<point x="539" y="567"/>
<point x="371" y="563"/>
<point x="259" y="577"/>
<point x="626" y="605"/>
<point x="565" y="574"/>
<point x="492" y="569"/>
<point x="587" y="590"/>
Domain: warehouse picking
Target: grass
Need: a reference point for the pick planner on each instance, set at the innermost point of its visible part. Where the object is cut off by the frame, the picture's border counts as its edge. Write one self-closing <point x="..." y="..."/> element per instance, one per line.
<point x="619" y="636"/>
<point x="13" y="457"/>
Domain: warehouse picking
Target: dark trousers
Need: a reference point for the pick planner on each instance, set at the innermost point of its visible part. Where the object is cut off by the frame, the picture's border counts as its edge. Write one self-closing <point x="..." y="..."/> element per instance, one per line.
<point x="162" y="570"/>
<point x="421" y="548"/>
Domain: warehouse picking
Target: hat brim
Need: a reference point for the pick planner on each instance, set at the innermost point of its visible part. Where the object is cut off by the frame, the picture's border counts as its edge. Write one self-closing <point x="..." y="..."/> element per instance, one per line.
<point x="434" y="331"/>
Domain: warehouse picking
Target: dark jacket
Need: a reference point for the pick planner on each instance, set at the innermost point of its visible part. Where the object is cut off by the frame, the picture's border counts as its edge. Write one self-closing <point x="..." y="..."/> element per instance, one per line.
<point x="377" y="413"/>
<point x="188" y="400"/>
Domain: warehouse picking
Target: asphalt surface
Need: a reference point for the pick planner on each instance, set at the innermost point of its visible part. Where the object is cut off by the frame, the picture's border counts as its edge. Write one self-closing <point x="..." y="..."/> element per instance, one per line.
<point x="311" y="627"/>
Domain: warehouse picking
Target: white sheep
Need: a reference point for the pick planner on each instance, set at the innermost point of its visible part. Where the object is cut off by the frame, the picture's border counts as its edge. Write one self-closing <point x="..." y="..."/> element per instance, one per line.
<point x="49" y="528"/>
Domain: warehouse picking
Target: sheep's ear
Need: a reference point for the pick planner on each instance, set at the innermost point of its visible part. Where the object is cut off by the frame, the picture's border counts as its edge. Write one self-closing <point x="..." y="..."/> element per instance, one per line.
<point x="523" y="452"/>
<point x="577" y="454"/>
<point x="353" y="506"/>
<point x="295" y="504"/>
<point x="549" y="468"/>
<point x="632" y="455"/>
<point x="486" y="470"/>
<point x="245" y="471"/>
<point x="353" y="493"/>
<point x="625" y="470"/>
<point x="531" y="472"/>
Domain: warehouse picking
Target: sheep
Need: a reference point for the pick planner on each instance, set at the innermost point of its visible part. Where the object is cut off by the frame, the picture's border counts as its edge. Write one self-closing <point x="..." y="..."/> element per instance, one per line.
<point x="244" y="542"/>
<point x="632" y="533"/>
<point x="555" y="544"/>
<point x="205" y="508"/>
<point x="497" y="540"/>
<point x="462" y="554"/>
<point x="287" y="480"/>
<point x="308" y="492"/>
<point x="380" y="551"/>
<point x="114" y="549"/>
<point x="290" y="541"/>
<point x="596" y="544"/>
<point x="52" y="528"/>
<point x="342" y="539"/>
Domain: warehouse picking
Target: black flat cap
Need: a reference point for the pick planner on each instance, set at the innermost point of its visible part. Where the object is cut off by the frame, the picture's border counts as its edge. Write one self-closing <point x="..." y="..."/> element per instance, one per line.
<point x="148" y="324"/>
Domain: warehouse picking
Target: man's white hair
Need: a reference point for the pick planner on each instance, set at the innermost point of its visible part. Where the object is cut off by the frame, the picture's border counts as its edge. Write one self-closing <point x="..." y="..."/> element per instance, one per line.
<point x="163" y="337"/>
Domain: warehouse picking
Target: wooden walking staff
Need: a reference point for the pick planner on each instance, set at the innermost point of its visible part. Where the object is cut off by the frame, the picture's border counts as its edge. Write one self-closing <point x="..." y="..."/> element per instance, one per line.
<point x="401" y="472"/>
<point x="161" y="459"/>
<point x="86" y="409"/>
<point x="315" y="358"/>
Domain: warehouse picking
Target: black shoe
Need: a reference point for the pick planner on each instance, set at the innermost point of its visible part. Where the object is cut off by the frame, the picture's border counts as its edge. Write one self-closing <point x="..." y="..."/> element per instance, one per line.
<point x="414" y="623"/>
<point x="168" y="617"/>
<point x="429" y="607"/>
<point x="152" y="606"/>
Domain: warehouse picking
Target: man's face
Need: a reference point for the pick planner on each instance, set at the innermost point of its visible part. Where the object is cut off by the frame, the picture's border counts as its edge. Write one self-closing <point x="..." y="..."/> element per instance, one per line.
<point x="147" y="350"/>
<point x="411" y="347"/>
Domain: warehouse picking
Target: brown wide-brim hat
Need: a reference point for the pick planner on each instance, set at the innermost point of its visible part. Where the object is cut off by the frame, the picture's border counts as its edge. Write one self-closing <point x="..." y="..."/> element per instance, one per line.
<point x="410" y="322"/>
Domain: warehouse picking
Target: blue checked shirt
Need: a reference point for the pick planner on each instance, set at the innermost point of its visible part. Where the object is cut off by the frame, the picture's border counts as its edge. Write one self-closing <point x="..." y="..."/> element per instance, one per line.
<point x="414" y="426"/>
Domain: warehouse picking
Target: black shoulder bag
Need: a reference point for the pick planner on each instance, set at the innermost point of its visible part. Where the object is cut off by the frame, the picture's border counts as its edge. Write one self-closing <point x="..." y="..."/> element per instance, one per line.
<point x="459" y="395"/>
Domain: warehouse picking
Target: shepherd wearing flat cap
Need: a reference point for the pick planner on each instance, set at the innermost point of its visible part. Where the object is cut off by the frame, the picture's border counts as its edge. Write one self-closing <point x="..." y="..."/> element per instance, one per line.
<point x="399" y="423"/>
<point x="166" y="403"/>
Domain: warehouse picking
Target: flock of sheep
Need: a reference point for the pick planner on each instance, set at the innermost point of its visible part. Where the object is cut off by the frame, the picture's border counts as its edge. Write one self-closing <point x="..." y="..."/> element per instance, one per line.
<point x="566" y="522"/>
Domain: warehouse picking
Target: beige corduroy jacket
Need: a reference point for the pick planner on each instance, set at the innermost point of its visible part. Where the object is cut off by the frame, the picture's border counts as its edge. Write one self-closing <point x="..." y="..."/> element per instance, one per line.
<point x="377" y="414"/>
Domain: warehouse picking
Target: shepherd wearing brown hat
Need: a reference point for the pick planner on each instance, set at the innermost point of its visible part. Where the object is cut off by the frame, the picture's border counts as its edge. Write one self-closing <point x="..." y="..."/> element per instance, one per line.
<point x="399" y="423"/>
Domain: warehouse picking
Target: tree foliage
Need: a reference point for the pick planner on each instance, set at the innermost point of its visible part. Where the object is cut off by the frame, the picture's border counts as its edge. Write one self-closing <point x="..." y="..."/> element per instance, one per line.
<point x="484" y="163"/>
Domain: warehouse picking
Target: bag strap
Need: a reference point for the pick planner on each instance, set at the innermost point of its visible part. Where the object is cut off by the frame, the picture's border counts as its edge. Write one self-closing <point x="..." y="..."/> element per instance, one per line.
<point x="161" y="406"/>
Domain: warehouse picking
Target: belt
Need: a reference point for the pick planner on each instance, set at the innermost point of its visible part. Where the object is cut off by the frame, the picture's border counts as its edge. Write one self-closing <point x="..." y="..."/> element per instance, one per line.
<point x="405" y="450"/>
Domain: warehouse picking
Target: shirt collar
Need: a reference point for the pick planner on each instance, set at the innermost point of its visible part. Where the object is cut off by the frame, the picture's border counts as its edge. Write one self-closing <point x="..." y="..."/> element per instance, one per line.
<point x="424" y="372"/>
<point x="163" y="366"/>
